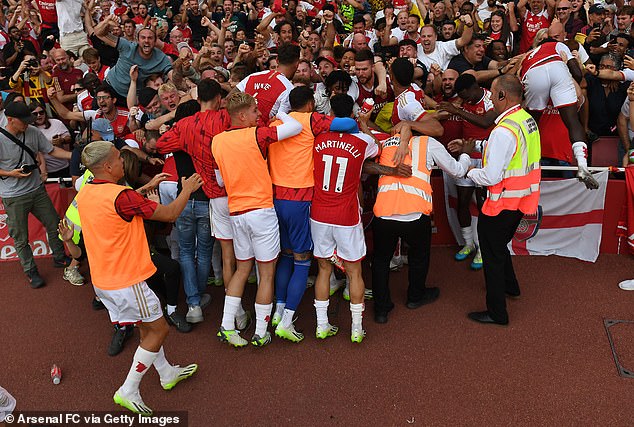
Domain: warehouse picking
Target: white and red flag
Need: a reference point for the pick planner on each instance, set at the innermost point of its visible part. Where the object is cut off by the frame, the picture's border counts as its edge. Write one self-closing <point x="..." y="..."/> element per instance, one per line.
<point x="571" y="223"/>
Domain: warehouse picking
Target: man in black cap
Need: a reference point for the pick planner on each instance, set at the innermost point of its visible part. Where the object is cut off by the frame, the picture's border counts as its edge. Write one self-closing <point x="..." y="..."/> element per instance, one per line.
<point x="22" y="190"/>
<point x="597" y="32"/>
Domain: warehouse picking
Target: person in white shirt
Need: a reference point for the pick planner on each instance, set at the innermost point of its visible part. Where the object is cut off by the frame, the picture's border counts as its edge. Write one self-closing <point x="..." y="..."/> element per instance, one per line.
<point x="436" y="52"/>
<point x="513" y="192"/>
<point x="71" y="28"/>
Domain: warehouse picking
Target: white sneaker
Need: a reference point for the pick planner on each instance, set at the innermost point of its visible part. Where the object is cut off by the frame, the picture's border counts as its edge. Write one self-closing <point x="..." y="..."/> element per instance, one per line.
<point x="627" y="285"/>
<point x="205" y="300"/>
<point x="243" y="321"/>
<point x="178" y="375"/>
<point x="367" y="294"/>
<point x="396" y="263"/>
<point x="194" y="314"/>
<point x="7" y="404"/>
<point x="335" y="285"/>
<point x="132" y="402"/>
<point x="72" y="275"/>
<point x="310" y="282"/>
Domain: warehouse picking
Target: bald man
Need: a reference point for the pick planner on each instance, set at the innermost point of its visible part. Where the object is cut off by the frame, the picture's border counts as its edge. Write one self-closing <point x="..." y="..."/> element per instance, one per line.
<point x="571" y="24"/>
<point x="67" y="75"/>
<point x="511" y="171"/>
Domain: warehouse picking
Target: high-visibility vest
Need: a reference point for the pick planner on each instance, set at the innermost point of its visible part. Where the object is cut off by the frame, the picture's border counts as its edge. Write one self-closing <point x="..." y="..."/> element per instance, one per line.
<point x="519" y="188"/>
<point x="117" y="250"/>
<point x="244" y="170"/>
<point x="291" y="160"/>
<point x="72" y="214"/>
<point x="399" y="195"/>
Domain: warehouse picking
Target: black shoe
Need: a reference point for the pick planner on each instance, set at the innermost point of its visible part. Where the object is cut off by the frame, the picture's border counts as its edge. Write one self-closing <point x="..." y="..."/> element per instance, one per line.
<point x="97" y="304"/>
<point x="35" y="279"/>
<point x="513" y="296"/>
<point x="178" y="320"/>
<point x="62" y="262"/>
<point x="430" y="295"/>
<point x="485" y="317"/>
<point x="380" y="317"/>
<point x="121" y="334"/>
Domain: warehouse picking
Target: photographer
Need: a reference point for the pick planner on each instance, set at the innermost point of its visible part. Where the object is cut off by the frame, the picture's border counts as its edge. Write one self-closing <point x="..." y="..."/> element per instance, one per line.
<point x="16" y="49"/>
<point x="37" y="80"/>
<point x="22" y="190"/>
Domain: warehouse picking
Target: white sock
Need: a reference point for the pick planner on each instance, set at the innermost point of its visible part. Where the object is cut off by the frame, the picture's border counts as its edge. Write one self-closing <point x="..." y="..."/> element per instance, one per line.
<point x="580" y="151"/>
<point x="229" y="312"/>
<point x="321" y="309"/>
<point x="171" y="309"/>
<point x="141" y="363"/>
<point x="476" y="240"/>
<point x="357" y="315"/>
<point x="262" y="315"/>
<point x="287" y="318"/>
<point x="240" y="312"/>
<point x="279" y="308"/>
<point x="162" y="366"/>
<point x="467" y="235"/>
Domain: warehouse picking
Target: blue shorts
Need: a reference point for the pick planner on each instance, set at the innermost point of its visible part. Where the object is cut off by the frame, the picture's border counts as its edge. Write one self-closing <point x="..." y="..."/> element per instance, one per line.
<point x="294" y="219"/>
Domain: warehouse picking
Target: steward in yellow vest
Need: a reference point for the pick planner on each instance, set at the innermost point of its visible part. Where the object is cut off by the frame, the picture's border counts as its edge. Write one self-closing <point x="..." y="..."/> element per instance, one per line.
<point x="511" y="172"/>
<point x="402" y="209"/>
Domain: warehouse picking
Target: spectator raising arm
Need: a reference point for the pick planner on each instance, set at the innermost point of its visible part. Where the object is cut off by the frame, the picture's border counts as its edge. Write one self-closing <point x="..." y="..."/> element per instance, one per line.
<point x="64" y="113"/>
<point x="467" y="33"/>
<point x="103" y="30"/>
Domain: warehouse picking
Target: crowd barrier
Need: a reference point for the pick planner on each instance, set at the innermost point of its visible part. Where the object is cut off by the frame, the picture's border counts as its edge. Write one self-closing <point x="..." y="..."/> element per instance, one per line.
<point x="442" y="234"/>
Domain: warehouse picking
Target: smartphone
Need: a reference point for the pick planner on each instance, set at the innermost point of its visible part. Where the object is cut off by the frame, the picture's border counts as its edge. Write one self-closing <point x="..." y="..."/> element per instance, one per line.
<point x="28" y="168"/>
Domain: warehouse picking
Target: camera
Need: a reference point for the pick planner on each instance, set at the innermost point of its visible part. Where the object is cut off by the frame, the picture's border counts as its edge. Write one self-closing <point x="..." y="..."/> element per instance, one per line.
<point x="28" y="168"/>
<point x="32" y="63"/>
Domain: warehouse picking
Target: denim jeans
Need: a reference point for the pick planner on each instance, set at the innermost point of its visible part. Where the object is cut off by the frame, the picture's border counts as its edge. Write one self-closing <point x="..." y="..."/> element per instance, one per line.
<point x="195" y="246"/>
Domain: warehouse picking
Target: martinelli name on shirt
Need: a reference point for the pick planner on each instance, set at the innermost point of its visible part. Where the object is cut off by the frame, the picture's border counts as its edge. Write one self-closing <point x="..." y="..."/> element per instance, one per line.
<point x="340" y="145"/>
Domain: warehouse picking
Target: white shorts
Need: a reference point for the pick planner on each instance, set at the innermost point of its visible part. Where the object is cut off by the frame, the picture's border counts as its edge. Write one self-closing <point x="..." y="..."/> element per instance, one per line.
<point x="348" y="241"/>
<point x="219" y="214"/>
<point x="466" y="182"/>
<point x="549" y="81"/>
<point x="134" y="304"/>
<point x="256" y="234"/>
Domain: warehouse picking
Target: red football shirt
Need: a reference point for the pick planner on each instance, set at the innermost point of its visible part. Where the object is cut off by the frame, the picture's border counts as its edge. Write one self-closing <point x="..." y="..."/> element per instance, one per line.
<point x="338" y="161"/>
<point x="270" y="89"/>
<point x="194" y="136"/>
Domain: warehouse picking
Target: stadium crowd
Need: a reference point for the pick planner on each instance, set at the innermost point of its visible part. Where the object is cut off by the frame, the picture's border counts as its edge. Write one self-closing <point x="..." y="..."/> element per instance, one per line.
<point x="170" y="112"/>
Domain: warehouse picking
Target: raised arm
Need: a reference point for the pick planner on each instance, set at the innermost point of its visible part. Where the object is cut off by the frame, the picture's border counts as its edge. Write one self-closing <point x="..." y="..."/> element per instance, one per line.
<point x="388" y="40"/>
<point x="467" y="33"/>
<point x="63" y="112"/>
<point x="102" y="30"/>
<point x="265" y="25"/>
<point x="521" y="8"/>
<point x="513" y="22"/>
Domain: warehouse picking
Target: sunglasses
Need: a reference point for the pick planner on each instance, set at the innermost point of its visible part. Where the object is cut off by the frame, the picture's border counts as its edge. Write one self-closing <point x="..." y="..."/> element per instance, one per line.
<point x="39" y="113"/>
<point x="563" y="8"/>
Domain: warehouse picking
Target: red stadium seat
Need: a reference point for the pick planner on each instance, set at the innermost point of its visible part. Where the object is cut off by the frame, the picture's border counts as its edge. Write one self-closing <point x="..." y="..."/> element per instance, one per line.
<point x="604" y="151"/>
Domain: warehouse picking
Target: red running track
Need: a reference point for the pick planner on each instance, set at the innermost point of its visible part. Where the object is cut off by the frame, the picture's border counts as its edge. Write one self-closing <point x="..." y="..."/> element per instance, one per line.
<point x="431" y="366"/>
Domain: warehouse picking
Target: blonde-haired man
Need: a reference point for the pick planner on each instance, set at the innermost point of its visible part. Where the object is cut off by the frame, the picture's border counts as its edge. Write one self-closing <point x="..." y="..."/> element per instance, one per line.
<point x="112" y="225"/>
<point x="241" y="154"/>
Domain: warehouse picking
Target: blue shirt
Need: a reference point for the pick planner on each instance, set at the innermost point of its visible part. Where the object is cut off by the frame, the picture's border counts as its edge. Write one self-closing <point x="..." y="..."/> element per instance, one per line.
<point x="119" y="75"/>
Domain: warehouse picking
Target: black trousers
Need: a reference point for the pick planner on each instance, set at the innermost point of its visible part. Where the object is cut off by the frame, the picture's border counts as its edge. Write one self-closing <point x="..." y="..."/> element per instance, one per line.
<point x="495" y="232"/>
<point x="417" y="234"/>
<point x="166" y="280"/>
